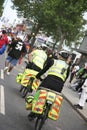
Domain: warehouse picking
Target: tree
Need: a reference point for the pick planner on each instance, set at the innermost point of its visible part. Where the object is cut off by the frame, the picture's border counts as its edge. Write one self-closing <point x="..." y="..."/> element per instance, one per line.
<point x="1" y="6"/>
<point x="61" y="19"/>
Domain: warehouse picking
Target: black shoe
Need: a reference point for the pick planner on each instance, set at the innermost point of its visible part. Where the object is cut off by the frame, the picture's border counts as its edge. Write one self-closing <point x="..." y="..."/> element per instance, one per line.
<point x="78" y="106"/>
<point x="86" y="100"/>
<point x="31" y="116"/>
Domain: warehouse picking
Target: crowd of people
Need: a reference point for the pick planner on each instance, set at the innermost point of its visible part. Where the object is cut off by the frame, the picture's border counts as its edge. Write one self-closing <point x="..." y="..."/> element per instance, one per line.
<point x="80" y="84"/>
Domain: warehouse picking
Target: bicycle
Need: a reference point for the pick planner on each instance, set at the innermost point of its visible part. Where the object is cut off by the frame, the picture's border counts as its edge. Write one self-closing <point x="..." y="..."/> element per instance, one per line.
<point x="28" y="81"/>
<point x="46" y="107"/>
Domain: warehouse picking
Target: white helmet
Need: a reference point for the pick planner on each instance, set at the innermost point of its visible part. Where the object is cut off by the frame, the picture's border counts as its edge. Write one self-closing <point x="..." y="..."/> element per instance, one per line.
<point x="64" y="54"/>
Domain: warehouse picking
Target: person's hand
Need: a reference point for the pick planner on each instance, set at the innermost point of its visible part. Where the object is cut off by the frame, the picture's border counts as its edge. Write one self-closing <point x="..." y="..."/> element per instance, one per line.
<point x="38" y="77"/>
<point x="41" y="79"/>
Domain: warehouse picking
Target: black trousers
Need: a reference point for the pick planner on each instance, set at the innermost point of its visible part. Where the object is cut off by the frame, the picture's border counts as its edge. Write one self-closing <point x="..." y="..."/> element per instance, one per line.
<point x="71" y="77"/>
<point x="53" y="83"/>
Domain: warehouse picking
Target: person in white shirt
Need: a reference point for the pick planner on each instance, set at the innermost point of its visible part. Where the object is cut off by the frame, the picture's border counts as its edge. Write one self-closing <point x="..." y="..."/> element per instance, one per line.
<point x="83" y="97"/>
<point x="73" y="72"/>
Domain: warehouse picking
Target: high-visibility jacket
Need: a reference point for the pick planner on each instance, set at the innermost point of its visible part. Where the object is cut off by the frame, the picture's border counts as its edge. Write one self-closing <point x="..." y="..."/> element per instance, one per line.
<point x="59" y="69"/>
<point x="39" y="57"/>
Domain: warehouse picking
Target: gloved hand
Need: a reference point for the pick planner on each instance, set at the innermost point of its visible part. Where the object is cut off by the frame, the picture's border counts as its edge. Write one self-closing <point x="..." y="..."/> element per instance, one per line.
<point x="41" y="79"/>
<point x="38" y="77"/>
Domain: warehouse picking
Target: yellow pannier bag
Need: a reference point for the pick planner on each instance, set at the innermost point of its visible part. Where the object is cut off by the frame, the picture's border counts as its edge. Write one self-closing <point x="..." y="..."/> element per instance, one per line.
<point x="19" y="77"/>
<point x="26" y="76"/>
<point x="28" y="102"/>
<point x="54" y="111"/>
<point x="39" y="101"/>
<point x="35" y="84"/>
<point x="28" y="106"/>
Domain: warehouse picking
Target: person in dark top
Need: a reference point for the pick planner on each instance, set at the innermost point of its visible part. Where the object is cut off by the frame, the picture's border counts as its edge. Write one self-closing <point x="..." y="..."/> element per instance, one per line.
<point x="15" y="50"/>
<point x="82" y="75"/>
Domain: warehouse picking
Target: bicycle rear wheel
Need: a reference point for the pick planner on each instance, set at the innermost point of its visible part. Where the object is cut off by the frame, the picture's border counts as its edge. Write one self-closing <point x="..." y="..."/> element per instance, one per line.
<point x="24" y="92"/>
<point x="21" y="88"/>
<point x="39" y="123"/>
<point x="41" y="120"/>
<point x="29" y="86"/>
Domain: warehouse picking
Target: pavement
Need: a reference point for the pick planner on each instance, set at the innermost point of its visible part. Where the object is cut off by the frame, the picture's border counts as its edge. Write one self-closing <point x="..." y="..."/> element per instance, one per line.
<point x="73" y="98"/>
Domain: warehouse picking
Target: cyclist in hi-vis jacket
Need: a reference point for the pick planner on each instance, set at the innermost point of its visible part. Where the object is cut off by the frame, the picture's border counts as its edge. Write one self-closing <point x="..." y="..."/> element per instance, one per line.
<point x="58" y="72"/>
<point x="37" y="59"/>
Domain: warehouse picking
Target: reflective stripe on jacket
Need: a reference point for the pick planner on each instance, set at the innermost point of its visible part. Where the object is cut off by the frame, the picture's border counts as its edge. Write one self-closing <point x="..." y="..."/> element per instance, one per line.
<point x="39" y="58"/>
<point x="59" y="69"/>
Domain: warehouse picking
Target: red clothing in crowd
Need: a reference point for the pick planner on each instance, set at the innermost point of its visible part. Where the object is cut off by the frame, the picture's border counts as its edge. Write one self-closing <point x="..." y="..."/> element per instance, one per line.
<point x="3" y="40"/>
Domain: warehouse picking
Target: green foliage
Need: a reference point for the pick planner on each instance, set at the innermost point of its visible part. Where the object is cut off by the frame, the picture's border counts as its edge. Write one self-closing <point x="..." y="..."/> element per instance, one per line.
<point x="1" y="6"/>
<point x="60" y="18"/>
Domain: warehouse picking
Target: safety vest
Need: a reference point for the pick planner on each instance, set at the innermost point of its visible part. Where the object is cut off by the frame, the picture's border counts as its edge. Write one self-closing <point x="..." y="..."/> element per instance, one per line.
<point x="39" y="58"/>
<point x="59" y="69"/>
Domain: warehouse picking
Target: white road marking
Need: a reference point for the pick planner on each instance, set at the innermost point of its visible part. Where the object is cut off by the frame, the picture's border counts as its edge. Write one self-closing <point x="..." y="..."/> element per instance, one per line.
<point x="58" y="128"/>
<point x="2" y="74"/>
<point x="2" y="100"/>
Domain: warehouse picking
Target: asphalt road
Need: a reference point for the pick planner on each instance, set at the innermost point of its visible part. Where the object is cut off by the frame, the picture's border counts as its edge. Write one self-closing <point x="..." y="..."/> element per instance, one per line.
<point x="13" y="115"/>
